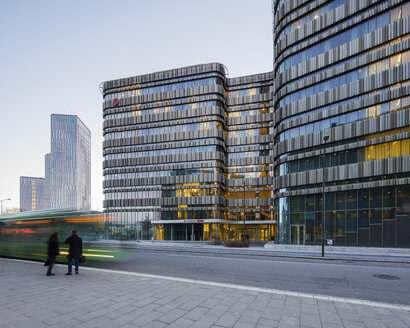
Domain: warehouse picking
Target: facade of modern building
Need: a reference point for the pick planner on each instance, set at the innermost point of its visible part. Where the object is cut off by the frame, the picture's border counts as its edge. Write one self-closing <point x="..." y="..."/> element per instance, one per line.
<point x="342" y="122"/>
<point x="32" y="194"/>
<point x="68" y="166"/>
<point x="188" y="149"/>
<point x="197" y="153"/>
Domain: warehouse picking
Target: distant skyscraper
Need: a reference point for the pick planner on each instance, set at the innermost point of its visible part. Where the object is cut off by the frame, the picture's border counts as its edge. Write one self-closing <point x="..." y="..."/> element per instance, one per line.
<point x="68" y="166"/>
<point x="32" y="194"/>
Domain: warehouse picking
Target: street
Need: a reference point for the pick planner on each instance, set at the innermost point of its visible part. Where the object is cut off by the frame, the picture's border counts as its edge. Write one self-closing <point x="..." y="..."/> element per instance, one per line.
<point x="375" y="281"/>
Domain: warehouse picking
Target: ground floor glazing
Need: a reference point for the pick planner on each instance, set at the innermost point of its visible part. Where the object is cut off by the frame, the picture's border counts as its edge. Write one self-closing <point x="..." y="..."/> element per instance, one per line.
<point x="213" y="231"/>
<point x="372" y="217"/>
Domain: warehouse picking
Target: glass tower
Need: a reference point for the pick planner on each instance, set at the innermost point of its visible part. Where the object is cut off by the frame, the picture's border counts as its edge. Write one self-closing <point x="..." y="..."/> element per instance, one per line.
<point x="32" y="194"/>
<point x="68" y="166"/>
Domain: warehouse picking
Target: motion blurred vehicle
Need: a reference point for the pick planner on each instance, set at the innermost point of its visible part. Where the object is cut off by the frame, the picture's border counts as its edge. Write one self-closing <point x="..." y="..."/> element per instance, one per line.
<point x="24" y="235"/>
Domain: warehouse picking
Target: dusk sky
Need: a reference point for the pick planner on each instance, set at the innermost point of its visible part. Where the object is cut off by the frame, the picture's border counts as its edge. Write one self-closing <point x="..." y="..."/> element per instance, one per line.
<point x="55" y="54"/>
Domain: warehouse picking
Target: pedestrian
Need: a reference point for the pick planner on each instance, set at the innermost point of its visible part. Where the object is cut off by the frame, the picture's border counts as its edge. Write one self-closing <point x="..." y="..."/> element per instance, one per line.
<point x="53" y="251"/>
<point x="75" y="251"/>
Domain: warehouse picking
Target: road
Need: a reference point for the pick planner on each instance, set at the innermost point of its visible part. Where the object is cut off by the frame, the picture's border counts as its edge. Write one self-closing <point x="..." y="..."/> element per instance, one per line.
<point x="375" y="281"/>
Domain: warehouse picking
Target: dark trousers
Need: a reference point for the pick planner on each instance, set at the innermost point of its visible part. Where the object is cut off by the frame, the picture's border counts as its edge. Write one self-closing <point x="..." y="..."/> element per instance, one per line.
<point x="70" y="264"/>
<point x="52" y="261"/>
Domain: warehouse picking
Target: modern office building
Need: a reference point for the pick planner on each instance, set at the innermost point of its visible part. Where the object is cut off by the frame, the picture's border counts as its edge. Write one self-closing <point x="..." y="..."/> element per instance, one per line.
<point x="68" y="166"/>
<point x="342" y="122"/>
<point x="32" y="194"/>
<point x="189" y="150"/>
<point x="197" y="152"/>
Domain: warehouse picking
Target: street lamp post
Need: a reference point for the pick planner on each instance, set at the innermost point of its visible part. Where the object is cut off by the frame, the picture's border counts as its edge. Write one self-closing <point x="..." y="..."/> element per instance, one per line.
<point x="1" y="201"/>
<point x="325" y="138"/>
<point x="244" y="216"/>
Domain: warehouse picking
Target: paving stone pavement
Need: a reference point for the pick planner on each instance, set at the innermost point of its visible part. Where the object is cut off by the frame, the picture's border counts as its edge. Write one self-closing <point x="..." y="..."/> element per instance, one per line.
<point x="103" y="298"/>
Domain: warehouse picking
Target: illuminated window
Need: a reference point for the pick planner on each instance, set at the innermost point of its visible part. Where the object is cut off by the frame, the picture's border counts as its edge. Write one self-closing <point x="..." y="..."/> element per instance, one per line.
<point x="372" y="69"/>
<point x="395" y="148"/>
<point x="371" y="112"/>
<point x="370" y="153"/>
<point x="204" y="125"/>
<point x="395" y="105"/>
<point x="263" y="131"/>
<point x="252" y="92"/>
<point x="405" y="147"/>
<point x="395" y="61"/>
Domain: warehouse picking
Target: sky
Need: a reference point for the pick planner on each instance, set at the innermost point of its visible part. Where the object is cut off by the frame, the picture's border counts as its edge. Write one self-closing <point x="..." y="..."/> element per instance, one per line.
<point x="55" y="54"/>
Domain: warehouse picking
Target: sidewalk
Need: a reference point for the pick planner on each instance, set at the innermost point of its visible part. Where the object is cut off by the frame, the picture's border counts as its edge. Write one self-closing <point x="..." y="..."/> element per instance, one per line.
<point x="401" y="255"/>
<point x="107" y="298"/>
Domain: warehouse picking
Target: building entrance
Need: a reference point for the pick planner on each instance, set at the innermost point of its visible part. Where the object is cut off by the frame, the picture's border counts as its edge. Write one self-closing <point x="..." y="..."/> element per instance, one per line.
<point x="297" y="234"/>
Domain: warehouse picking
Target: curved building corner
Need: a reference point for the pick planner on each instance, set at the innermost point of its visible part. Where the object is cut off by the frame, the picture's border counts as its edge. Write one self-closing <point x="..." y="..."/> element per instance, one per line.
<point x="342" y="122"/>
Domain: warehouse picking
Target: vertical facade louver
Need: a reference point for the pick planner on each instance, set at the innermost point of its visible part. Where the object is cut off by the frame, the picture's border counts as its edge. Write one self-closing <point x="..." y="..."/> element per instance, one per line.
<point x="188" y="150"/>
<point x="342" y="122"/>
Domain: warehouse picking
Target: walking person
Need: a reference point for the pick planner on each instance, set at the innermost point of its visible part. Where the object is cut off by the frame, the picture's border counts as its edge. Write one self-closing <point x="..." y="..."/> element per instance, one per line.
<point x="75" y="251"/>
<point x="53" y="250"/>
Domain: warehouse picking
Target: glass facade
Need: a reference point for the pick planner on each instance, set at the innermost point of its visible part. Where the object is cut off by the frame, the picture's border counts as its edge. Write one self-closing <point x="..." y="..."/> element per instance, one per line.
<point x="68" y="166"/>
<point x="32" y="194"/>
<point x="341" y="133"/>
<point x="67" y="182"/>
<point x="365" y="217"/>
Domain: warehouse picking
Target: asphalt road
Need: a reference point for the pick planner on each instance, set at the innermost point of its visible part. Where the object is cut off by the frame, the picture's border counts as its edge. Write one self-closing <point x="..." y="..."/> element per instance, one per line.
<point x="353" y="279"/>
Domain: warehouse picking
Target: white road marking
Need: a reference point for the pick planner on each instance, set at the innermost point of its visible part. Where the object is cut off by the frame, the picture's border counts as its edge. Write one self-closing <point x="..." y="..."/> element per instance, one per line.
<point x="242" y="287"/>
<point x="357" y="264"/>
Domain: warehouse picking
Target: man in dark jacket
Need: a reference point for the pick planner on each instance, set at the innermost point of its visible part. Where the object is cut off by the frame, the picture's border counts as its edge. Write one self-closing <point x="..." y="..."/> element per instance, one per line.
<point x="75" y="251"/>
<point x="52" y="251"/>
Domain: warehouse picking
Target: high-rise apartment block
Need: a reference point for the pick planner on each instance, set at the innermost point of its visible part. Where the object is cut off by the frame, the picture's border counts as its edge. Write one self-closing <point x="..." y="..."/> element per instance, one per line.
<point x="67" y="182"/>
<point x="32" y="194"/>
<point x="317" y="149"/>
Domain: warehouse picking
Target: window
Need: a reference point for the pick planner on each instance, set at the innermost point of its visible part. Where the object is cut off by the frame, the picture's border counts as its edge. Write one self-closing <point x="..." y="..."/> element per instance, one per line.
<point x="395" y="14"/>
<point x="351" y="221"/>
<point x="363" y="198"/>
<point x="395" y="61"/>
<point x="351" y="199"/>
<point x="375" y="197"/>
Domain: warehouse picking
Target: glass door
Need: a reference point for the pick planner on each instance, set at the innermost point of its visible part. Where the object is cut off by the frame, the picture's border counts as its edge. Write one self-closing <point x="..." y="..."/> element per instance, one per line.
<point x="297" y="234"/>
<point x="301" y="235"/>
